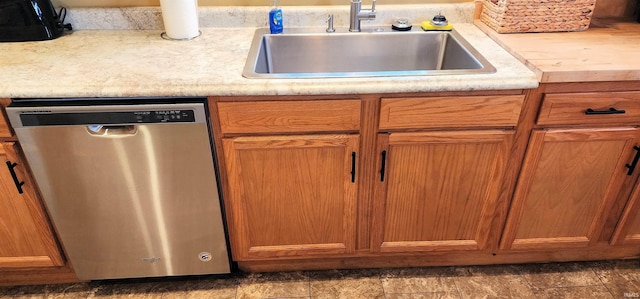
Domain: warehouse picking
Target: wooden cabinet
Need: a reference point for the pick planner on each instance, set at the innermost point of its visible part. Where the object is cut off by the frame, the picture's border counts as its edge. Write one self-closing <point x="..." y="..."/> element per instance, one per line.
<point x="441" y="171"/>
<point x="294" y="191"/>
<point x="29" y="252"/>
<point x="431" y="179"/>
<point x="590" y="108"/>
<point x="437" y="190"/>
<point x="628" y="229"/>
<point x="579" y="168"/>
<point x="450" y="112"/>
<point x="570" y="180"/>
<point x="27" y="240"/>
<point x="292" y="195"/>
<point x="5" y="128"/>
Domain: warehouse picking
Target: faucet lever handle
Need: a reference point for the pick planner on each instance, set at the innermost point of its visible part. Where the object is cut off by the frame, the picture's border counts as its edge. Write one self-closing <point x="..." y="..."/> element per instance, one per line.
<point x="373" y="6"/>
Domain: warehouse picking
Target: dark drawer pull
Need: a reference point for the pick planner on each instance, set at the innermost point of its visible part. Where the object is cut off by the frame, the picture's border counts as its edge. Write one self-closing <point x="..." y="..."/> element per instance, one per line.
<point x="16" y="181"/>
<point x="633" y="164"/>
<point x="383" y="163"/>
<point x="611" y="110"/>
<point x="353" y="167"/>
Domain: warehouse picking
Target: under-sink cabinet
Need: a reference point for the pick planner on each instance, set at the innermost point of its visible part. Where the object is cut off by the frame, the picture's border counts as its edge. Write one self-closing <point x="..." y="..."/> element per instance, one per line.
<point x="442" y="161"/>
<point x="542" y="175"/>
<point x="292" y="190"/>
<point x="292" y="195"/>
<point x="437" y="190"/>
<point x="312" y="177"/>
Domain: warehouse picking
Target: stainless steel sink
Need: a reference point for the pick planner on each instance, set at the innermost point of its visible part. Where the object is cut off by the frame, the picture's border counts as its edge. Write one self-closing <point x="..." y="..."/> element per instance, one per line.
<point x="363" y="54"/>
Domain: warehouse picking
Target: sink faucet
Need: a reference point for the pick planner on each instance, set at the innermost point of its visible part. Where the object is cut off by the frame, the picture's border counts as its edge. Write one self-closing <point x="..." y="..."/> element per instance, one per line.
<point x="358" y="13"/>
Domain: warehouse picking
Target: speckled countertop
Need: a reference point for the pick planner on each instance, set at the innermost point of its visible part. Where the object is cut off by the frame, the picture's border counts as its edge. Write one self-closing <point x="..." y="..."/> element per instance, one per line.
<point x="137" y="62"/>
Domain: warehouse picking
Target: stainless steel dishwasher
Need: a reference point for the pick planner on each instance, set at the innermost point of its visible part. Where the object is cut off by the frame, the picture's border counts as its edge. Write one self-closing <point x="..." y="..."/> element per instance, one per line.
<point x="131" y="188"/>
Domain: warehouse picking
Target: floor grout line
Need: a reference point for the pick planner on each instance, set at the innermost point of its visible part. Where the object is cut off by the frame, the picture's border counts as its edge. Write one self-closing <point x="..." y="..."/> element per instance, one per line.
<point x="600" y="279"/>
<point x="524" y="277"/>
<point x="455" y="283"/>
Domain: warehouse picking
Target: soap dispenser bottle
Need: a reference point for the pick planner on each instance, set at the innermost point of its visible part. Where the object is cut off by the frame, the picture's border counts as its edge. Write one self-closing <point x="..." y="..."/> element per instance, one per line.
<point x="275" y="18"/>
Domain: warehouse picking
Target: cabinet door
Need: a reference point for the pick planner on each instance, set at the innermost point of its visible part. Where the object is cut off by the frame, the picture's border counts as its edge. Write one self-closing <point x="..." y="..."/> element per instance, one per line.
<point x="570" y="179"/>
<point x="27" y="240"/>
<point x="437" y="190"/>
<point x="291" y="195"/>
<point x="628" y="228"/>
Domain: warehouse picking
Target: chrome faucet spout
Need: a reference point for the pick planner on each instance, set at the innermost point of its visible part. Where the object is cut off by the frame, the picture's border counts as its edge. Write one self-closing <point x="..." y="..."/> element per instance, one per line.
<point x="357" y="13"/>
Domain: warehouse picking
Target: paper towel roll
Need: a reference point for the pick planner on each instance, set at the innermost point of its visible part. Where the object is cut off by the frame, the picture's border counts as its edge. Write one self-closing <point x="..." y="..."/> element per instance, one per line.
<point x="180" y="18"/>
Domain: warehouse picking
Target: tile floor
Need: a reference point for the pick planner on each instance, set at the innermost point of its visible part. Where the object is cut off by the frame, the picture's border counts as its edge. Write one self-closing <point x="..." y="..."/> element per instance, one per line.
<point x="601" y="279"/>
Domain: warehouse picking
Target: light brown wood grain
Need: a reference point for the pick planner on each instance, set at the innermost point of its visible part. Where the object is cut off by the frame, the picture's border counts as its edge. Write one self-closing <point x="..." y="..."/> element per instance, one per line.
<point x="289" y="116"/>
<point x="628" y="228"/>
<point x="367" y="172"/>
<point x="27" y="239"/>
<point x="491" y="235"/>
<point x="5" y="128"/>
<point x="634" y="231"/>
<point x="446" y="258"/>
<point x="570" y="108"/>
<point x="439" y="186"/>
<point x="291" y="195"/>
<point x="569" y="181"/>
<point x="32" y="276"/>
<point x="447" y="112"/>
<point x="602" y="53"/>
<point x="615" y="8"/>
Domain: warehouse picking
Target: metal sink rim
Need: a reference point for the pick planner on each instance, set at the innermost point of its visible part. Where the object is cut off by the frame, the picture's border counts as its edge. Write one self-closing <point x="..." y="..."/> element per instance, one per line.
<point x="250" y="65"/>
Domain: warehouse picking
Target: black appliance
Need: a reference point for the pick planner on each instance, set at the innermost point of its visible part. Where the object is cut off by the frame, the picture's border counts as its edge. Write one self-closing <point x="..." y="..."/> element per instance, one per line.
<point x="30" y="20"/>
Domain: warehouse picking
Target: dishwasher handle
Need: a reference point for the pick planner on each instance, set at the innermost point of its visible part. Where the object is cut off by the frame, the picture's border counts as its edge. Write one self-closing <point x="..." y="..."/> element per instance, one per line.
<point x="112" y="130"/>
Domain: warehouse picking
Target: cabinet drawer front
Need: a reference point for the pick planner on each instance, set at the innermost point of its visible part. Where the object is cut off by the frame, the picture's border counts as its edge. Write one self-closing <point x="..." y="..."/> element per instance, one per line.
<point x="590" y="108"/>
<point x="447" y="112"/>
<point x="289" y="116"/>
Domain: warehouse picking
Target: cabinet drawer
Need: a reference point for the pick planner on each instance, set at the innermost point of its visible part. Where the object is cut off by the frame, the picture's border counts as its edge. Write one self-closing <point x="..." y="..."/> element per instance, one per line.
<point x="590" y="108"/>
<point x="443" y="112"/>
<point x="289" y="116"/>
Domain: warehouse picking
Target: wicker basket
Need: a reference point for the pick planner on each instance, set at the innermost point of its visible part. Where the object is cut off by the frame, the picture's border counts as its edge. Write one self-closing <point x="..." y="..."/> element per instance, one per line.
<point x="508" y="16"/>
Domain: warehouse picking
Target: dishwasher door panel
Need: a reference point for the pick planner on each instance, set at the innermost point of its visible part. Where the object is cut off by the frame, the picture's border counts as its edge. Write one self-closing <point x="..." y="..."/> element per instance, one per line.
<point x="138" y="201"/>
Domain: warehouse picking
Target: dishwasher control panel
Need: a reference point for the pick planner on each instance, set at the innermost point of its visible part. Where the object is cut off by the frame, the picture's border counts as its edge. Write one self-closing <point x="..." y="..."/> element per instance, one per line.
<point x="161" y="116"/>
<point x="51" y="118"/>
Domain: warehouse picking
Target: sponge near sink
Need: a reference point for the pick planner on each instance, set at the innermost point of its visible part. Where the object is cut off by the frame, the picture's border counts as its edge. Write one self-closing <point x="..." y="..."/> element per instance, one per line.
<point x="438" y="23"/>
<point x="429" y="26"/>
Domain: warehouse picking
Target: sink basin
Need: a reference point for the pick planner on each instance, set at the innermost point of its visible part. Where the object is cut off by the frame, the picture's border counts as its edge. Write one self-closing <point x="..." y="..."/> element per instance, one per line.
<point x="362" y="54"/>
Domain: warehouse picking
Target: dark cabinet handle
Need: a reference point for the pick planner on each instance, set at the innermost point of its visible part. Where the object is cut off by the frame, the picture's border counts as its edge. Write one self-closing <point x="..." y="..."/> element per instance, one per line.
<point x="353" y="167"/>
<point x="611" y="110"/>
<point x="16" y="181"/>
<point x="383" y="165"/>
<point x="633" y="164"/>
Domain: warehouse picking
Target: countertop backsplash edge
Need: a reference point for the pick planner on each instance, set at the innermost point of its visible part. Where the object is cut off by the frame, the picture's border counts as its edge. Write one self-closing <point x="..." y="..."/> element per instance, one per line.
<point x="150" y="18"/>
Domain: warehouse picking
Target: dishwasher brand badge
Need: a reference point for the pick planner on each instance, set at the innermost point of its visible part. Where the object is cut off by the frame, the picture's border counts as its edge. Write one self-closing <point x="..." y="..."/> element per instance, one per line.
<point x="150" y="259"/>
<point x="36" y="112"/>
